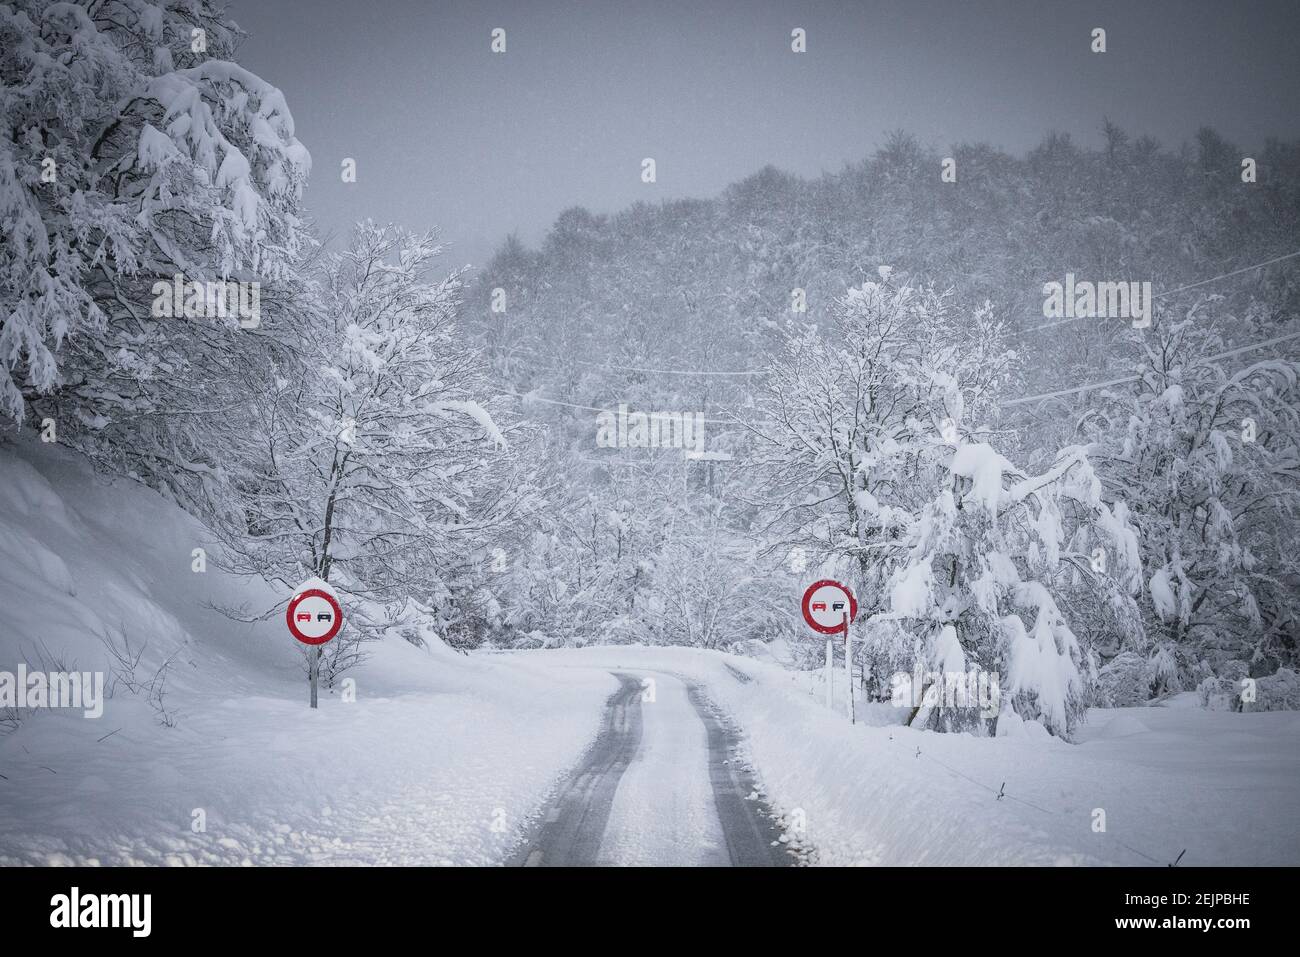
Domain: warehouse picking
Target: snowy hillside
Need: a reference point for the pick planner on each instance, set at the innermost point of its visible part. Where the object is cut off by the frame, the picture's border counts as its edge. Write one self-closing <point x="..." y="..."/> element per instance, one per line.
<point x="441" y="758"/>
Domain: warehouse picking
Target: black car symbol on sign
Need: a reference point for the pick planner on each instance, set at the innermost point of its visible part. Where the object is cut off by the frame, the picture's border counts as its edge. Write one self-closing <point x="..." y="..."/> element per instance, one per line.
<point x="838" y="606"/>
<point x="324" y="616"/>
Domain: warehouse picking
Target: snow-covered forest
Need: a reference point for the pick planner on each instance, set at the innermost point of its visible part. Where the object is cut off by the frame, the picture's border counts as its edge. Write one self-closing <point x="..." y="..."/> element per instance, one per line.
<point x="658" y="425"/>
<point x="1140" y="524"/>
<point x="860" y="348"/>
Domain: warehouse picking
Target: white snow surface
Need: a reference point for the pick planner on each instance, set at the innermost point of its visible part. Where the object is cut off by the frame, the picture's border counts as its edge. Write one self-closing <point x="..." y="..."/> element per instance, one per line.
<point x="1224" y="787"/>
<point x="443" y="758"/>
<point x="978" y="462"/>
<point x="447" y="758"/>
<point x="663" y="812"/>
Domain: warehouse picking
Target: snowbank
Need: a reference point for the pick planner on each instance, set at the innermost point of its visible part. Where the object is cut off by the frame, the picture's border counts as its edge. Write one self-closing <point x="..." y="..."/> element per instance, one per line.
<point x="441" y="759"/>
<point x="1225" y="787"/>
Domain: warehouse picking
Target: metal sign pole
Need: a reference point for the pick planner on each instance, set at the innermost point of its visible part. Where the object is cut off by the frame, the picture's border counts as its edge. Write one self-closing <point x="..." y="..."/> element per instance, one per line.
<point x="830" y="672"/>
<point x="848" y="666"/>
<point x="314" y="671"/>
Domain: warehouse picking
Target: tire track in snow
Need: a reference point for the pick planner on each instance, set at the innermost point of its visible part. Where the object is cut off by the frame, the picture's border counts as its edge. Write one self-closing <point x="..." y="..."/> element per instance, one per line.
<point x="659" y="817"/>
<point x="574" y="823"/>
<point x="748" y="824"/>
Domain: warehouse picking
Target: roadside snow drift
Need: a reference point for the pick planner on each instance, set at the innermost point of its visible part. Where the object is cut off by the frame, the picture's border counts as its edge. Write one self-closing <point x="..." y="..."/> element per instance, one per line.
<point x="1224" y="787"/>
<point x="442" y="758"/>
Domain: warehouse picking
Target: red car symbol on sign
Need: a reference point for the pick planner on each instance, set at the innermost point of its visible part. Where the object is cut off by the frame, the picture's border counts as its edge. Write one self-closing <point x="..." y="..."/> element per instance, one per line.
<point x="323" y="609"/>
<point x="828" y="594"/>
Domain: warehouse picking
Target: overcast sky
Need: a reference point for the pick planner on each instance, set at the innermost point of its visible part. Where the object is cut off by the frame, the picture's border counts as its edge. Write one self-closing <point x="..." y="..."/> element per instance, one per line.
<point x="447" y="133"/>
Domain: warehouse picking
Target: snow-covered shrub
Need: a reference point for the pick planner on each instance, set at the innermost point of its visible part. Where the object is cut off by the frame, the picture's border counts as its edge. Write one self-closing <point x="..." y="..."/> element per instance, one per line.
<point x="1231" y="688"/>
<point x="1234" y="690"/>
<point x="1233" y="670"/>
<point x="1220" y="694"/>
<point x="1277" y="692"/>
<point x="416" y="623"/>
<point x="1124" y="681"/>
<point x="1170" y="669"/>
<point x="885" y="648"/>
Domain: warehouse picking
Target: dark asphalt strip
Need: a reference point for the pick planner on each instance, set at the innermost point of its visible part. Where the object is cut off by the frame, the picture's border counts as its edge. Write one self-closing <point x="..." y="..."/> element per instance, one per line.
<point x="748" y="825"/>
<point x="574" y="822"/>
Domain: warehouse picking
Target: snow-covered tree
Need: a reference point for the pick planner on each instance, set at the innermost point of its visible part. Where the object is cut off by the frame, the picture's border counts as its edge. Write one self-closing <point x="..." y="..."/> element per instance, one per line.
<point x="363" y="457"/>
<point x="874" y="456"/>
<point x="1205" y="452"/>
<point x="986" y="560"/>
<point x="135" y="151"/>
<point x="707" y="590"/>
<point x="844" y="413"/>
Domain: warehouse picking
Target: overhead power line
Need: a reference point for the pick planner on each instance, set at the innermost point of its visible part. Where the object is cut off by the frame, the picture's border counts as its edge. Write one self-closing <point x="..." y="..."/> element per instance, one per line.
<point x="1059" y="393"/>
<point x="1076" y="390"/>
<point x="1134" y="378"/>
<point x="1170" y="292"/>
<point x="626" y="368"/>
<point x="592" y="408"/>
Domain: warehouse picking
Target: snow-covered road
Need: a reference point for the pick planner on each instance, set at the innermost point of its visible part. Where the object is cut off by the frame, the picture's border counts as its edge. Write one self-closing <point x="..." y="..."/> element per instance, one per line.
<point x="661" y="786"/>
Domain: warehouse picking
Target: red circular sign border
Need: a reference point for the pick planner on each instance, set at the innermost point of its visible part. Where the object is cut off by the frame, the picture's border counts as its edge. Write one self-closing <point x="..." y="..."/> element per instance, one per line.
<point x="314" y="593"/>
<point x="807" y="612"/>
